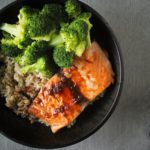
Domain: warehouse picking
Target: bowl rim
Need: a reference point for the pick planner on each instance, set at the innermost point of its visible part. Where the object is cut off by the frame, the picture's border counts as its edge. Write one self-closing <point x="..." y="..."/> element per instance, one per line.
<point x="119" y="84"/>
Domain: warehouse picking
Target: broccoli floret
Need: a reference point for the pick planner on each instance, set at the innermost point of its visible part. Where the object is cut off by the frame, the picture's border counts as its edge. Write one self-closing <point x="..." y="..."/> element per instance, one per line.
<point x="62" y="58"/>
<point x="70" y="37"/>
<point x="86" y="17"/>
<point x="44" y="24"/>
<point x="73" y="8"/>
<point x="19" y="30"/>
<point x="32" y="53"/>
<point x="53" y="11"/>
<point x="22" y="38"/>
<point x="82" y="27"/>
<point x="40" y="66"/>
<point x="76" y="35"/>
<point x="9" y="48"/>
<point x="41" y="27"/>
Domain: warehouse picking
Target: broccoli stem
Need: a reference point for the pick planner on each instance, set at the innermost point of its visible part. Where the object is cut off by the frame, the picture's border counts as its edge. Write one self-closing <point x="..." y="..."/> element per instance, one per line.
<point x="56" y="40"/>
<point x="9" y="28"/>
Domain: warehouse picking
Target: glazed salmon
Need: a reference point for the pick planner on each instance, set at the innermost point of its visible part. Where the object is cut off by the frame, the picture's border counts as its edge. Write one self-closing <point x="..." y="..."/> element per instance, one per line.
<point x="67" y="93"/>
<point x="56" y="104"/>
<point x="92" y="72"/>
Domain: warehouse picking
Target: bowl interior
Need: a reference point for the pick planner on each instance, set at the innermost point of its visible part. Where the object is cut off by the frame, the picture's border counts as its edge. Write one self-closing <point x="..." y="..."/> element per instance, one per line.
<point x="94" y="116"/>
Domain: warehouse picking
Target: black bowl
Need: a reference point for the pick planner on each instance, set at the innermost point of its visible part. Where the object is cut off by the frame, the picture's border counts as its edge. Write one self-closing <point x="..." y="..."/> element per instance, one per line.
<point x="94" y="116"/>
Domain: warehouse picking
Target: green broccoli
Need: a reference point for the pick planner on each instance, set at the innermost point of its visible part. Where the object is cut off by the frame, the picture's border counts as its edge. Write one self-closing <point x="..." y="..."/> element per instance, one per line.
<point x="44" y="23"/>
<point x="9" y="48"/>
<point x="20" y="39"/>
<point x="76" y="35"/>
<point x="73" y="9"/>
<point x="62" y="58"/>
<point x="67" y="30"/>
<point x="19" y="30"/>
<point x="85" y="16"/>
<point x="32" y="53"/>
<point x="40" y="66"/>
<point x="53" y="11"/>
<point x="35" y="24"/>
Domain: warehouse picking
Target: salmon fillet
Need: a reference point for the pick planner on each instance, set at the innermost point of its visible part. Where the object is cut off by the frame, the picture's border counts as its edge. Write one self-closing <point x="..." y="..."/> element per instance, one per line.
<point x="67" y="93"/>
<point x="92" y="72"/>
<point x="54" y="104"/>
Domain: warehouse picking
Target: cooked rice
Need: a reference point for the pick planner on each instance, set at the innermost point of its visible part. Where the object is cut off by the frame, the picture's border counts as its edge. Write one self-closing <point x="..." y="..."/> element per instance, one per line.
<point x="18" y="89"/>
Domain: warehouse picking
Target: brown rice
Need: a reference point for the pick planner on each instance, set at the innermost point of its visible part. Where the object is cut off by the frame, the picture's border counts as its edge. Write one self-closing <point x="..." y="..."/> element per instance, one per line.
<point x="18" y="89"/>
